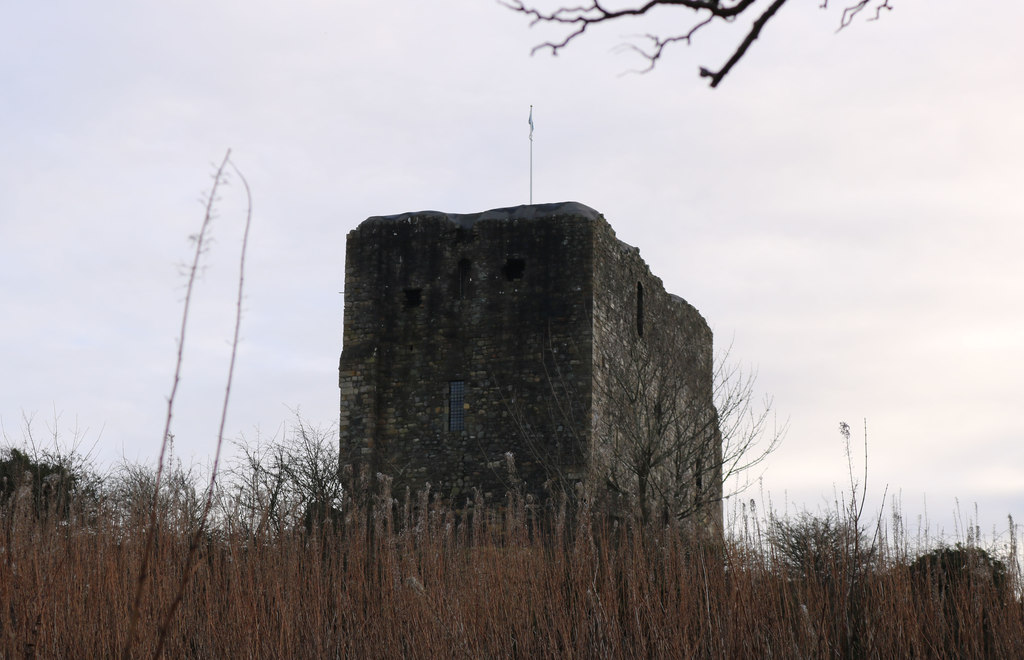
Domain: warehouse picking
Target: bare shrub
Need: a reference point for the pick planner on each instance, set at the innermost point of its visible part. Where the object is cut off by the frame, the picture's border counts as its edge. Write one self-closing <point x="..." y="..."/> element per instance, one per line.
<point x="289" y="481"/>
<point x="810" y="547"/>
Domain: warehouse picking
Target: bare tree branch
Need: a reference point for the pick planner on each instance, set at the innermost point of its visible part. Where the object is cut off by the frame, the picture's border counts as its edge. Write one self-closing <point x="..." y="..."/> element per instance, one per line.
<point x="849" y="13"/>
<point x="755" y="32"/>
<point x="579" y="19"/>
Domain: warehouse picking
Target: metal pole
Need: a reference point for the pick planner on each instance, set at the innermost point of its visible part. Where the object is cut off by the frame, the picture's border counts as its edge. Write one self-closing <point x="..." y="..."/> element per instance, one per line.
<point x="531" y="154"/>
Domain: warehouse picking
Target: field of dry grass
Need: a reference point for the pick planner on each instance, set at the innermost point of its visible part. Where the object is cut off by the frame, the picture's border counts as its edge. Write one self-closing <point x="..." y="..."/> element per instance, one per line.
<point x="400" y="580"/>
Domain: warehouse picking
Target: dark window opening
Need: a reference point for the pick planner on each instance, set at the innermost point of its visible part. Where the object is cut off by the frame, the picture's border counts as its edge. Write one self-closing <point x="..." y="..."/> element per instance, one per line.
<point x="513" y="269"/>
<point x="639" y="309"/>
<point x="464" y="279"/>
<point x="456" y="405"/>
<point x="413" y="297"/>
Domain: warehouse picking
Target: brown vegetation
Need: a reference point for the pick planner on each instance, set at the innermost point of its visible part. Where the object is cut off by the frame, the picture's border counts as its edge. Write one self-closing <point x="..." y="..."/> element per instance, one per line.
<point x="408" y="579"/>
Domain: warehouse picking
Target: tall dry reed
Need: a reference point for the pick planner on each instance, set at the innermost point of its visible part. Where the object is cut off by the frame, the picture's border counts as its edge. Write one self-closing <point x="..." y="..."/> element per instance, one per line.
<point x="416" y="579"/>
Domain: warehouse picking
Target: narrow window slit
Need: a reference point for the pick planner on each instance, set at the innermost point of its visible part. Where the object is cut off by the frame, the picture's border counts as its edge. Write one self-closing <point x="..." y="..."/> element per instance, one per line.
<point x="639" y="309"/>
<point x="464" y="279"/>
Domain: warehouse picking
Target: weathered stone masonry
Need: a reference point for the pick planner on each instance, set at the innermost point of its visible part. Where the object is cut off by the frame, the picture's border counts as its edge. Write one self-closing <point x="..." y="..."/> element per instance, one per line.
<point x="471" y="336"/>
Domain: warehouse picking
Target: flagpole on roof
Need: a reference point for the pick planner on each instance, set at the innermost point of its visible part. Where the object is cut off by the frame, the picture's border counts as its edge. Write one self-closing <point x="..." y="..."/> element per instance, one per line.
<point x="531" y="154"/>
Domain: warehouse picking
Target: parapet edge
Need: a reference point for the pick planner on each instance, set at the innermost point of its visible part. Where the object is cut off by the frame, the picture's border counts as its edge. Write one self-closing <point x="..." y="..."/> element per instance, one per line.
<point x="524" y="212"/>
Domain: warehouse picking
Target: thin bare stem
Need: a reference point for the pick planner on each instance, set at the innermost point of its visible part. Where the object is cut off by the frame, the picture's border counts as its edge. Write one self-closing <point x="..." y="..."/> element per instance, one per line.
<point x="208" y="504"/>
<point x="200" y="244"/>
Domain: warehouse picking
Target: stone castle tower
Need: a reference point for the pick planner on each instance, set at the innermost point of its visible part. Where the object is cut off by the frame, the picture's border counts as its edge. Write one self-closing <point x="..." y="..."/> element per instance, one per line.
<point x="526" y="335"/>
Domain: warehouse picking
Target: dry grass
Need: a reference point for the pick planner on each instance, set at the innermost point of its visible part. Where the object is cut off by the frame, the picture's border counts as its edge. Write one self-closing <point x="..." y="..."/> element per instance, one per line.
<point x="425" y="582"/>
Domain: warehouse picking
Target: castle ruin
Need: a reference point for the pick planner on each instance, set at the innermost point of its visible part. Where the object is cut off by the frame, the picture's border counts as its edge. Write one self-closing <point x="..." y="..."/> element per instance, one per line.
<point x="526" y="337"/>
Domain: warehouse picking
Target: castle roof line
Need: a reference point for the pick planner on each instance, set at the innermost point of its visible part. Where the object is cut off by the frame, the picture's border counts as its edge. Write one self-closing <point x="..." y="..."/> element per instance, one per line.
<point x="524" y="212"/>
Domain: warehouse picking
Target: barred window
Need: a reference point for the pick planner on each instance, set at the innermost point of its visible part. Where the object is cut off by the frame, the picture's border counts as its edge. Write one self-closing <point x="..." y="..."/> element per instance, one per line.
<point x="456" y="405"/>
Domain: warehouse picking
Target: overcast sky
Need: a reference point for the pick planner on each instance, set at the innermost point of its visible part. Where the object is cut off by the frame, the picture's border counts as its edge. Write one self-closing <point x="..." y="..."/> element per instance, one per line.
<point x="845" y="210"/>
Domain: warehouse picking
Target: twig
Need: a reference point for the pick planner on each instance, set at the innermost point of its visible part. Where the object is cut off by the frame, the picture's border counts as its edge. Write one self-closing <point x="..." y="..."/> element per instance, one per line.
<point x="200" y="243"/>
<point x="201" y="526"/>
<point x="755" y="32"/>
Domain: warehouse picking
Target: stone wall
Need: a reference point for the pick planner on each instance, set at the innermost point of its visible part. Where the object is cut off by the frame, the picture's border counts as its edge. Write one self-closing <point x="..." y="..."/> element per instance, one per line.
<point x="530" y="308"/>
<point x="498" y="301"/>
<point x="652" y="356"/>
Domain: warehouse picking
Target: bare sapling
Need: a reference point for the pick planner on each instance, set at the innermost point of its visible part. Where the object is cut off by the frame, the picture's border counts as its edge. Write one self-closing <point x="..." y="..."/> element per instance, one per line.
<point x="200" y="240"/>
